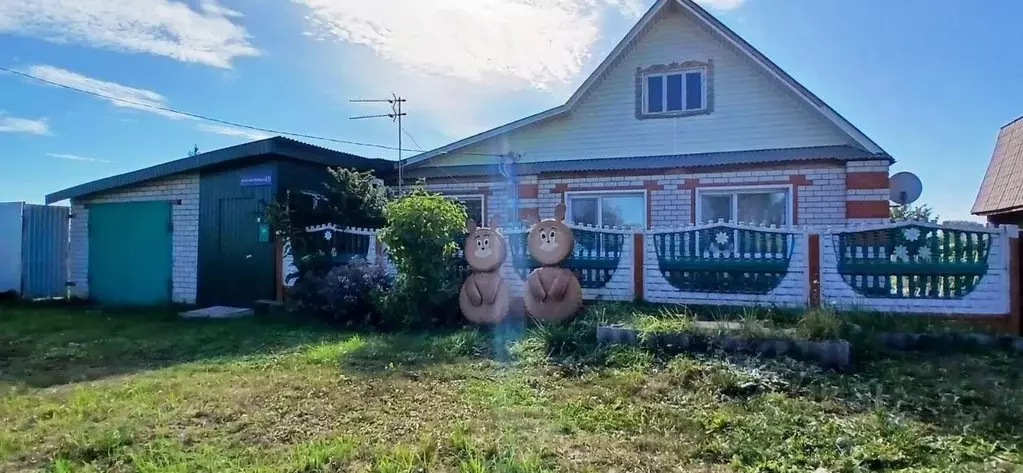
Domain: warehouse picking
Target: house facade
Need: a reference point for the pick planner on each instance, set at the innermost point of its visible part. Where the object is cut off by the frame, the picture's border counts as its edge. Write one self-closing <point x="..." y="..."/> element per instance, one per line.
<point x="683" y="122"/>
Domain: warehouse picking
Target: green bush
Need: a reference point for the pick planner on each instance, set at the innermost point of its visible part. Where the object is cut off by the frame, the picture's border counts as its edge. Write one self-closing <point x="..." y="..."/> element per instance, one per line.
<point x="420" y="238"/>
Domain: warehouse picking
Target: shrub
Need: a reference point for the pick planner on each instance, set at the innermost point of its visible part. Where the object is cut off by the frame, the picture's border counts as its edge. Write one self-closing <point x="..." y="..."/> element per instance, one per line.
<point x="419" y="236"/>
<point x="347" y="199"/>
<point x="345" y="294"/>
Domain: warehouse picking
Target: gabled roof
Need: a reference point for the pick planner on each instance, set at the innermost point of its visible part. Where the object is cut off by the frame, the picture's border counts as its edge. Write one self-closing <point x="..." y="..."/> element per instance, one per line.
<point x="280" y="146"/>
<point x="717" y="28"/>
<point x="1002" y="188"/>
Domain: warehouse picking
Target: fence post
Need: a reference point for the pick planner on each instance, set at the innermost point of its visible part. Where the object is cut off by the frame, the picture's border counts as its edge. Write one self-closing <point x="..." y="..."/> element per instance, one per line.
<point x="813" y="242"/>
<point x="638" y="254"/>
<point x="1015" y="323"/>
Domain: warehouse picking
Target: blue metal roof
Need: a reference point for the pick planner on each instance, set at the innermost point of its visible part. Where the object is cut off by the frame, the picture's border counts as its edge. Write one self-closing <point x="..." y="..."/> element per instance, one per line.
<point x="839" y="153"/>
<point x="279" y="146"/>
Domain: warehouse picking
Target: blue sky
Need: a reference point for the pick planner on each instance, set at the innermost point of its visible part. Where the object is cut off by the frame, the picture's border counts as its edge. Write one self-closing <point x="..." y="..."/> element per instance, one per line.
<point x="931" y="82"/>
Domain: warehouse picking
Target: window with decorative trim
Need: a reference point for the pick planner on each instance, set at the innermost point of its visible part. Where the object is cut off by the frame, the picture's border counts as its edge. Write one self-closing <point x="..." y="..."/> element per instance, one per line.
<point x="607" y="208"/>
<point x="756" y="205"/>
<point x="674" y="90"/>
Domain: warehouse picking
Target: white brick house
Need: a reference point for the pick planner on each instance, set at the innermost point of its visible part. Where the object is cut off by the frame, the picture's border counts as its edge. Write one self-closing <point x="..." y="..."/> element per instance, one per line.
<point x="683" y="122"/>
<point x="192" y="230"/>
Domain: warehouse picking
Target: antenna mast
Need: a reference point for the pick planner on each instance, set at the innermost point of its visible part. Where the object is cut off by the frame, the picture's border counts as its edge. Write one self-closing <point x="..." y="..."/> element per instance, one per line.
<point x="395" y="115"/>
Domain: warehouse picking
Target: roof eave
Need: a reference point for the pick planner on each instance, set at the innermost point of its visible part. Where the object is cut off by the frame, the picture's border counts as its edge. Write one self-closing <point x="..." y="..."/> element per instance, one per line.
<point x="284" y="147"/>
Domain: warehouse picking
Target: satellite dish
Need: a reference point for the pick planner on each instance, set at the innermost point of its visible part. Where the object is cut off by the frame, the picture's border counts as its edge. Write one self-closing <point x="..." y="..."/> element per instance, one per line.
<point x="904" y="188"/>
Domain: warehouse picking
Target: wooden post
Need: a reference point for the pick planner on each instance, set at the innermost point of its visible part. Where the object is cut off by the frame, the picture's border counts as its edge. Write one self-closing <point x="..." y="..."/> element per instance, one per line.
<point x="1015" y="326"/>
<point x="638" y="252"/>
<point x="279" y="266"/>
<point x="813" y="242"/>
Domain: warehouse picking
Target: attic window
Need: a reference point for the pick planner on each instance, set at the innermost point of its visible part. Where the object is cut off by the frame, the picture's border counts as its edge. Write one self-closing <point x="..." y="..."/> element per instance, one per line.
<point x="674" y="90"/>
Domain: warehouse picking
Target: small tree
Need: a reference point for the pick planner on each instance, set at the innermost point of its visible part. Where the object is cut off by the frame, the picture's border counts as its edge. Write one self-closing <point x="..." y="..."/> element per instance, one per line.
<point x="419" y="236"/>
<point x="920" y="212"/>
<point x="355" y="199"/>
<point x="348" y="199"/>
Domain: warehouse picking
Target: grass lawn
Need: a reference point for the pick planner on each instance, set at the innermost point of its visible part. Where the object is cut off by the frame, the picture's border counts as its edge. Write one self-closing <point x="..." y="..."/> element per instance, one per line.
<point x="151" y="393"/>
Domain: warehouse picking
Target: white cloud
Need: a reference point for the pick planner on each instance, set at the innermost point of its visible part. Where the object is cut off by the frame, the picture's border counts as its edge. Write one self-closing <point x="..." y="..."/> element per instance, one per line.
<point x="234" y="131"/>
<point x="530" y="42"/>
<point x="467" y="65"/>
<point x="216" y="9"/>
<point x="722" y="4"/>
<point x="121" y="95"/>
<point x="9" y="124"/>
<point x="130" y="97"/>
<point x="71" y="157"/>
<point x="161" y="27"/>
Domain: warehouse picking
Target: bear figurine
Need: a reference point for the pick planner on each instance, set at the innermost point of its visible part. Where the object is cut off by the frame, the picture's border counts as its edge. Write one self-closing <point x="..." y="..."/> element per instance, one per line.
<point x="552" y="294"/>
<point x="483" y="298"/>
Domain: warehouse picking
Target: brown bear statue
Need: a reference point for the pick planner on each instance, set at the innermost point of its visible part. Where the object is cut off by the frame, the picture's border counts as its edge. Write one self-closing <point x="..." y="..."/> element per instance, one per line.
<point x="552" y="294"/>
<point x="484" y="295"/>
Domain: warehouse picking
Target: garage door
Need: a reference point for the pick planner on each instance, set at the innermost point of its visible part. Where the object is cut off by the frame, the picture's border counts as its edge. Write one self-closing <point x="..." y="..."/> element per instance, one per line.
<point x="130" y="253"/>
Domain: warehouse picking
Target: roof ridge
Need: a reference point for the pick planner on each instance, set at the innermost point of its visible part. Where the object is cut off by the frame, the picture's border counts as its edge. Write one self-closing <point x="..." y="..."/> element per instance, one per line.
<point x="1013" y="121"/>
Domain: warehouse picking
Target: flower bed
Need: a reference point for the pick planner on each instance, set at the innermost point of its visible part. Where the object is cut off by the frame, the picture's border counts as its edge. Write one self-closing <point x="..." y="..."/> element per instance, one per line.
<point x="707" y="336"/>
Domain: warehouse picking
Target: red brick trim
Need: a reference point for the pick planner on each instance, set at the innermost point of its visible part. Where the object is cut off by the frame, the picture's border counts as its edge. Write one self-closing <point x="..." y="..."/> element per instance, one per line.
<point x="529" y="191"/>
<point x="652" y="186"/>
<point x="866" y="209"/>
<point x="637" y="266"/>
<point x="866" y="180"/>
<point x="814" y="271"/>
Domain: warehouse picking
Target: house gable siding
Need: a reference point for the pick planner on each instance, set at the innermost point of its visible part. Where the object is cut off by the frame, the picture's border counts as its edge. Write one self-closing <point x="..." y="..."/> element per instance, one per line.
<point x="751" y="110"/>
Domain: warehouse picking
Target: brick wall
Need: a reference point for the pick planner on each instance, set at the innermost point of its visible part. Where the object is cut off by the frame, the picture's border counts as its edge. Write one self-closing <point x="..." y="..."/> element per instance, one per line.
<point x="185" y="240"/>
<point x="866" y="184"/>
<point x="818" y="189"/>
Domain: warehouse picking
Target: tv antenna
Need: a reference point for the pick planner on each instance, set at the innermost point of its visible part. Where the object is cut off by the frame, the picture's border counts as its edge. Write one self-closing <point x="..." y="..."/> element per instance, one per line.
<point x="395" y="115"/>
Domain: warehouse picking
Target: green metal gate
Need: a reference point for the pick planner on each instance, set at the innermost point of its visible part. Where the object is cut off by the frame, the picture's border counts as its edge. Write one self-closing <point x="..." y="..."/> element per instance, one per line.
<point x="130" y="257"/>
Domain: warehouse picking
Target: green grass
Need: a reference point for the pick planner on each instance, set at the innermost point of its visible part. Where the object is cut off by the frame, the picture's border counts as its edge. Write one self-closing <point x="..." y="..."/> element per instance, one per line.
<point x="146" y="392"/>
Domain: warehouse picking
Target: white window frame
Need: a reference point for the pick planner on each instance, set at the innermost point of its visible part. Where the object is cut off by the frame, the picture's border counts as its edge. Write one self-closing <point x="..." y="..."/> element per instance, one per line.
<point x="483" y="204"/>
<point x="735" y="190"/>
<point x="664" y="91"/>
<point x="569" y="195"/>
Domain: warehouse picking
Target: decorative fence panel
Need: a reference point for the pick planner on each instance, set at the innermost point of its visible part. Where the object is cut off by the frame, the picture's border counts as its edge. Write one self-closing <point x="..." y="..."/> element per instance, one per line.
<point x="916" y="267"/>
<point x="913" y="261"/>
<point x="723" y="259"/>
<point x="899" y="267"/>
<point x="726" y="263"/>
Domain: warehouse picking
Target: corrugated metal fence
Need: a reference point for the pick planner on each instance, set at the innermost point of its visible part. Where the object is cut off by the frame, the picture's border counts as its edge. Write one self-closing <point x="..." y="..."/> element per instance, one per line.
<point x="34" y="249"/>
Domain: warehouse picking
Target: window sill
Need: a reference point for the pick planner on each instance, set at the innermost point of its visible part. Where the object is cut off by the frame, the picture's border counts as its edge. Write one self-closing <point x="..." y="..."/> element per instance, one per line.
<point x="678" y="114"/>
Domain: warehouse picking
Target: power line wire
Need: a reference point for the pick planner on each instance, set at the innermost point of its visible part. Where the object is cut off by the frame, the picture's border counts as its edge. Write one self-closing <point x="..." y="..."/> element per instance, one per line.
<point x="201" y="117"/>
<point x="411" y="138"/>
<point x="225" y="122"/>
